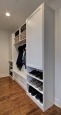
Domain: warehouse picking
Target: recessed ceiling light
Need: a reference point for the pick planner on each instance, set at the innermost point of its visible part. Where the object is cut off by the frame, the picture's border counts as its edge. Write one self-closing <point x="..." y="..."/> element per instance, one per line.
<point x="7" y="14"/>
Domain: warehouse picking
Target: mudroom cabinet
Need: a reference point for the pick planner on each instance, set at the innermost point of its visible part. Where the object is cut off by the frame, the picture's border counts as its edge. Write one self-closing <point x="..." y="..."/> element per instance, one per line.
<point x="40" y="56"/>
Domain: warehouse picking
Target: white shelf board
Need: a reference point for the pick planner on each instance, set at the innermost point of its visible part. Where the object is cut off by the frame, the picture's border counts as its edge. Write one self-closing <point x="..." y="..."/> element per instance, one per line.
<point x="21" y="42"/>
<point x="34" y="77"/>
<point x="35" y="100"/>
<point x="35" y="87"/>
<point x="23" y="74"/>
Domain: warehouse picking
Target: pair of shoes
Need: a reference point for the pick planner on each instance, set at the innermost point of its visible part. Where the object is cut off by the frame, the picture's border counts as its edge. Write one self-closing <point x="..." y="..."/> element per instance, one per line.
<point x="34" y="72"/>
<point x="35" y="83"/>
<point x="32" y="91"/>
<point x="40" y="75"/>
<point x="33" y="80"/>
<point x="38" y="84"/>
<point x="37" y="74"/>
<point x="40" y="88"/>
<point x="39" y="97"/>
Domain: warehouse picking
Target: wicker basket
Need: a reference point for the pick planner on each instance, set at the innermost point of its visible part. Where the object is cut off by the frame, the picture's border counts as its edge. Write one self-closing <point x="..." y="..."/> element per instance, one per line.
<point x="23" y="35"/>
<point x="16" y="39"/>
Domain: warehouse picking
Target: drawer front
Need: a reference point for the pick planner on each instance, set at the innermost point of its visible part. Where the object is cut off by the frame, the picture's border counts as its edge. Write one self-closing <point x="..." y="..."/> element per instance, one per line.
<point x="16" y="76"/>
<point x="22" y="80"/>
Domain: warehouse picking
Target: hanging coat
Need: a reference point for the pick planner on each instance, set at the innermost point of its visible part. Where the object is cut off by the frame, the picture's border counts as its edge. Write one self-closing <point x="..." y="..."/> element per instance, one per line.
<point x="19" y="59"/>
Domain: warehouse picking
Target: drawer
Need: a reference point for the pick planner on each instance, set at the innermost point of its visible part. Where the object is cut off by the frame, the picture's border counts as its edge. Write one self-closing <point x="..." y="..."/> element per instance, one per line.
<point x="22" y="80"/>
<point x="16" y="76"/>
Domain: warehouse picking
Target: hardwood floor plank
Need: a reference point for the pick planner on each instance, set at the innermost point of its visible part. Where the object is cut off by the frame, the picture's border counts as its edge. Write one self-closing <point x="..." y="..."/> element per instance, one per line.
<point x="14" y="101"/>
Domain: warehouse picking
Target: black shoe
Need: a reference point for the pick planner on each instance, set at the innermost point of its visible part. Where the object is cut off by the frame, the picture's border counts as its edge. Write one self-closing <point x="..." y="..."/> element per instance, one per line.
<point x="30" y="89"/>
<point x="38" y="95"/>
<point x="32" y="72"/>
<point x="41" y="99"/>
<point x="34" y="92"/>
<point x="40" y="77"/>
<point x="39" y="74"/>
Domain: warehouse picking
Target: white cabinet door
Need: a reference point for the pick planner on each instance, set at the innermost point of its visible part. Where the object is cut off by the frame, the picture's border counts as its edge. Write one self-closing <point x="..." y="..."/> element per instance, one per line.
<point x="34" y="40"/>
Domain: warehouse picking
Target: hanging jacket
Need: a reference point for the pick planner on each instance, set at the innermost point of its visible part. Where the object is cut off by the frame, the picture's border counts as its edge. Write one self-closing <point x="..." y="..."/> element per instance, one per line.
<point x="24" y="59"/>
<point x="24" y="55"/>
<point x="19" y="59"/>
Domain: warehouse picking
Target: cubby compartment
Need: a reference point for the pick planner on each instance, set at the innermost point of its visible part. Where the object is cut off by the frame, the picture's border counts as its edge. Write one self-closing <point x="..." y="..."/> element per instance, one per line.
<point x="16" y="39"/>
<point x="33" y="80"/>
<point x="35" y="73"/>
<point x="35" y="96"/>
<point x="19" y="59"/>
<point x="23" y="35"/>
<point x="16" y="36"/>
<point x="11" y="69"/>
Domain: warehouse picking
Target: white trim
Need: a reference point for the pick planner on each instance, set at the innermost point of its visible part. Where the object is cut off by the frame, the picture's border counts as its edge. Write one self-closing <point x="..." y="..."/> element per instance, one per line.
<point x="4" y="75"/>
<point x="56" y="102"/>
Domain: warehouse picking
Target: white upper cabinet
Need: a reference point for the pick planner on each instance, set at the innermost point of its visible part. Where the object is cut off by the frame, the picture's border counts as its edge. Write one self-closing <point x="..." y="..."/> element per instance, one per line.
<point x="34" y="39"/>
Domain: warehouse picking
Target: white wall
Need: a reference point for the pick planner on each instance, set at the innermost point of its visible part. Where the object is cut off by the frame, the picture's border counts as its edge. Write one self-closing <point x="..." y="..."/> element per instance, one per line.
<point x="58" y="58"/>
<point x="4" y="52"/>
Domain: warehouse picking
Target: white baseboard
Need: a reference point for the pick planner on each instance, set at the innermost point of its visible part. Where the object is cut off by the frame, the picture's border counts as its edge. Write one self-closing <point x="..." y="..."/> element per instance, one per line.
<point x="56" y="102"/>
<point x="4" y="75"/>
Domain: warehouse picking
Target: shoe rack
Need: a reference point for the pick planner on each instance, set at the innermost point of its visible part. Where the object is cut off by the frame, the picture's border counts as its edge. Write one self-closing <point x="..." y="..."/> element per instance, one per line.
<point x="35" y="82"/>
<point x="11" y="69"/>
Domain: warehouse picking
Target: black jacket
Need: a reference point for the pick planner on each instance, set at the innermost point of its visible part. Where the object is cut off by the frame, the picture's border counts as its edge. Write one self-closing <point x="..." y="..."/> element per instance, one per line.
<point x="19" y="59"/>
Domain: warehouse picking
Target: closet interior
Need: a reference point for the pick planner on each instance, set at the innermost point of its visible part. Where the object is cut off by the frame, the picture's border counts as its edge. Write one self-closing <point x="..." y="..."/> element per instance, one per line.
<point x="36" y="74"/>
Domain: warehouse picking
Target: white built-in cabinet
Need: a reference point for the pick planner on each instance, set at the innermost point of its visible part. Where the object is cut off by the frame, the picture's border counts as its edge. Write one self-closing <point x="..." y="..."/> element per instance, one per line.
<point x="40" y="52"/>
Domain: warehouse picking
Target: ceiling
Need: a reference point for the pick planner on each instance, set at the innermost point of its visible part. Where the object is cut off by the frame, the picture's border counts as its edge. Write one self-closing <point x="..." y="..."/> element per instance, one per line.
<point x="20" y="10"/>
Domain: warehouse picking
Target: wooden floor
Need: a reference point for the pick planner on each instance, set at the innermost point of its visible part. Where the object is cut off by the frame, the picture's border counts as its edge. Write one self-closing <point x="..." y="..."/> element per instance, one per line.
<point x="14" y="101"/>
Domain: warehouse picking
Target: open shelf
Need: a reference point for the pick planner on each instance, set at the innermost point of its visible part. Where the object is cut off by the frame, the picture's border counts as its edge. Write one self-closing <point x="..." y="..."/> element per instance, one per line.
<point x="35" y="100"/>
<point x="20" y="42"/>
<point x="35" y="87"/>
<point x="34" y="77"/>
<point x="16" y="36"/>
<point x="10" y="66"/>
<point x="11" y="70"/>
<point x="23" y="74"/>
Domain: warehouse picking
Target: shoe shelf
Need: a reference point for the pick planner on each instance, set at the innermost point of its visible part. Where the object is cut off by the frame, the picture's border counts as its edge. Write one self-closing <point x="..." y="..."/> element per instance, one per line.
<point x="11" y="70"/>
<point x="35" y="100"/>
<point x="36" y="83"/>
<point x="35" y="87"/>
<point x="34" y="77"/>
